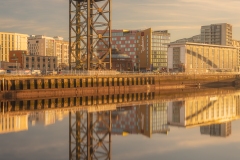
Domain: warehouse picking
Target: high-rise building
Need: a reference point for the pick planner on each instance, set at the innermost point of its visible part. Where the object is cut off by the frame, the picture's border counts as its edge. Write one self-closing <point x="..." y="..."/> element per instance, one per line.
<point x="219" y="34"/>
<point x="11" y="41"/>
<point x="151" y="49"/>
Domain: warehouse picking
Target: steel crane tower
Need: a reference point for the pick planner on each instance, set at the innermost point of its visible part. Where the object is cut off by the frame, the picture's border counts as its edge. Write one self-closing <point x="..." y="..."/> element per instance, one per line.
<point x="89" y="24"/>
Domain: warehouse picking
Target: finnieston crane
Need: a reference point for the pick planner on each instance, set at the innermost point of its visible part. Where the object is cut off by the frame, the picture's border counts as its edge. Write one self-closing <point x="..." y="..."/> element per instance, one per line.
<point x="89" y="24"/>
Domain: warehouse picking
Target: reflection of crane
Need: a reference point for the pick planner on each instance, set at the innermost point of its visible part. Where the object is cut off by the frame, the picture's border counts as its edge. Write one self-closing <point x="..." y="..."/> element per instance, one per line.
<point x="87" y="140"/>
<point x="86" y="18"/>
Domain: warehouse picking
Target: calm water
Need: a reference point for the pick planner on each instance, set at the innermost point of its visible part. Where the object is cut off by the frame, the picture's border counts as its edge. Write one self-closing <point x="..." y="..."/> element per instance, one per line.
<point x="199" y="127"/>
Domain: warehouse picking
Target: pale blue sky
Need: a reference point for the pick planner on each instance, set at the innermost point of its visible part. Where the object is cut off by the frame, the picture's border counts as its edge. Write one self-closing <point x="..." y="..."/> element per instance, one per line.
<point x="182" y="18"/>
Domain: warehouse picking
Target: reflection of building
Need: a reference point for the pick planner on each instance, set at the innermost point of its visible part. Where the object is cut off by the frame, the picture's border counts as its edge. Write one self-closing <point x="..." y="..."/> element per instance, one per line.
<point x="47" y="117"/>
<point x="11" y="41"/>
<point x="10" y="123"/>
<point x="197" y="57"/>
<point x="220" y="130"/>
<point x="203" y="111"/>
<point x="152" y="49"/>
<point x="159" y="118"/>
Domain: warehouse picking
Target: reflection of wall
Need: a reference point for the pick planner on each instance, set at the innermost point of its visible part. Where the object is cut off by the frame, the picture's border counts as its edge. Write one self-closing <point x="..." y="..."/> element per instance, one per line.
<point x="203" y="110"/>
<point x="220" y="130"/>
<point x="14" y="123"/>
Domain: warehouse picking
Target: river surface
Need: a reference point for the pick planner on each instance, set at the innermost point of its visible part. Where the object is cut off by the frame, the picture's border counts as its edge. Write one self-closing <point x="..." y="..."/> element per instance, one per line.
<point x="192" y="128"/>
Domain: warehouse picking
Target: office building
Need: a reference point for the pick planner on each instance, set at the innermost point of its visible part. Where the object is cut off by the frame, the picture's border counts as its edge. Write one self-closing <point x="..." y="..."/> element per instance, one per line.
<point x="219" y="34"/>
<point x="11" y="41"/>
<point x="198" y="57"/>
<point x="151" y="49"/>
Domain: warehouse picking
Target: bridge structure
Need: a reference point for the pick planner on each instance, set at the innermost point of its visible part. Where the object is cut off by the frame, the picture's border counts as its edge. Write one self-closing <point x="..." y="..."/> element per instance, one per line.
<point x="86" y="18"/>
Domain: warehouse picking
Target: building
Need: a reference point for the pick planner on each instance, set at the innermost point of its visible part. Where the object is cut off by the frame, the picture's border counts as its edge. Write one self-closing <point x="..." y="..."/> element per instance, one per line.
<point x="43" y="63"/>
<point x="151" y="49"/>
<point x="11" y="41"/>
<point x="198" y="57"/>
<point x="16" y="57"/>
<point x="236" y="43"/>
<point x="120" y="61"/>
<point x="122" y="40"/>
<point x="193" y="39"/>
<point x="41" y="45"/>
<point x="219" y="34"/>
<point x="61" y="51"/>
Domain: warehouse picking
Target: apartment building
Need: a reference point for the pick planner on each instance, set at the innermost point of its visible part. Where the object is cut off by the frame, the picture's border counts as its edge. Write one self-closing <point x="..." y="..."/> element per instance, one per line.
<point x="200" y="58"/>
<point x="219" y="34"/>
<point x="11" y="41"/>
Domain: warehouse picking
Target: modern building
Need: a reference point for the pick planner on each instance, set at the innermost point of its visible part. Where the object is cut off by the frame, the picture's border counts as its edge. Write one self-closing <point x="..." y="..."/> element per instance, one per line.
<point x="151" y="47"/>
<point x="120" y="61"/>
<point x="198" y="57"/>
<point x="122" y="40"/>
<point x="219" y="34"/>
<point x="193" y="39"/>
<point x="11" y="41"/>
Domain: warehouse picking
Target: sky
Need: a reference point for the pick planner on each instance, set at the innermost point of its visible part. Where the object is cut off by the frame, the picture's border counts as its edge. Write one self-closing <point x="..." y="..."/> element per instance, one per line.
<point x="182" y="18"/>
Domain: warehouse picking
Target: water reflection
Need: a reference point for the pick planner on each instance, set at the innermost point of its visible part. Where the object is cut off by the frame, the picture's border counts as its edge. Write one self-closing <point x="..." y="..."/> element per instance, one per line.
<point x="94" y="120"/>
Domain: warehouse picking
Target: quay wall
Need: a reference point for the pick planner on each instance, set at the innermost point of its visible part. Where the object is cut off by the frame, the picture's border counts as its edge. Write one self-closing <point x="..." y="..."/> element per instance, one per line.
<point x="55" y="86"/>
